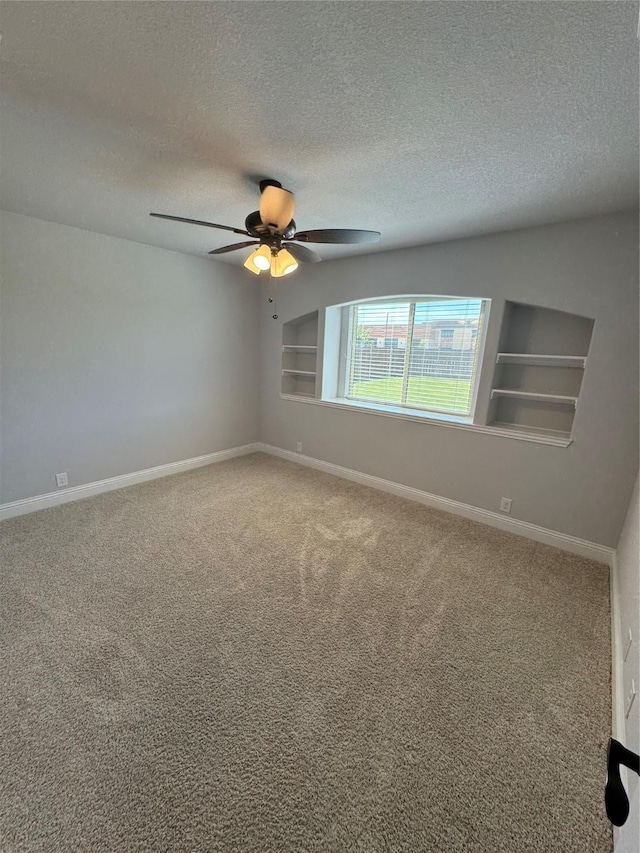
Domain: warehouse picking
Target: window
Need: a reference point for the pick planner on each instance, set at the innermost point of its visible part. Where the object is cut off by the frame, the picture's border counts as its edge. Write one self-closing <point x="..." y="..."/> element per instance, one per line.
<point x="420" y="355"/>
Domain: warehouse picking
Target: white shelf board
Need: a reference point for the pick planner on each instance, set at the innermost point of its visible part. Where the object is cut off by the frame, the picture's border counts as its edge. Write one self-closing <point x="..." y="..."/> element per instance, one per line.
<point x="533" y="395"/>
<point x="552" y="436"/>
<point x="291" y="372"/>
<point x="304" y="347"/>
<point x="540" y="360"/>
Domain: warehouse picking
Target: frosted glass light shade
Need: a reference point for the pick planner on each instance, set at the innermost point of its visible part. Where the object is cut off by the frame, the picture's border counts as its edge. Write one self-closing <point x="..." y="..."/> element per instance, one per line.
<point x="259" y="260"/>
<point x="263" y="258"/>
<point x="276" y="208"/>
<point x="283" y="263"/>
<point x="250" y="265"/>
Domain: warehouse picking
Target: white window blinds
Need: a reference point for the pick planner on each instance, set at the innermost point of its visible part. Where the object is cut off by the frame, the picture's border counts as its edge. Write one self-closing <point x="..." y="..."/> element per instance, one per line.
<point x="420" y="354"/>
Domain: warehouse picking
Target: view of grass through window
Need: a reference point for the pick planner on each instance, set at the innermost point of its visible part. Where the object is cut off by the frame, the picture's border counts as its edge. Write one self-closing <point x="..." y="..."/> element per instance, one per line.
<point x="452" y="394"/>
<point x="420" y="355"/>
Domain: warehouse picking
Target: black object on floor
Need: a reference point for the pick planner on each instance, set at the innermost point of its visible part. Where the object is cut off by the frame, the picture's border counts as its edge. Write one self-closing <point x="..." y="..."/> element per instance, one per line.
<point x="615" y="796"/>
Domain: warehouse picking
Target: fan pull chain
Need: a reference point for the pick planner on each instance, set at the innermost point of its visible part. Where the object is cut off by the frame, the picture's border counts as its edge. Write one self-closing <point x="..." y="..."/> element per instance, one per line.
<point x="272" y="299"/>
<point x="272" y="296"/>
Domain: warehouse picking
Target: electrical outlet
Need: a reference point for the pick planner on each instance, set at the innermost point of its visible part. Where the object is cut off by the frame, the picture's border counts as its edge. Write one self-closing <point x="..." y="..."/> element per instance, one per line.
<point x="630" y="698"/>
<point x="61" y="480"/>
<point x="505" y="504"/>
<point x="299" y="446"/>
<point x="627" y="648"/>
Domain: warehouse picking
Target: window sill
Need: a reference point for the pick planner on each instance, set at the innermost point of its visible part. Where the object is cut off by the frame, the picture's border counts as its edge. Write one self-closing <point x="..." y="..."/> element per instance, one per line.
<point x="400" y="411"/>
<point x="435" y="419"/>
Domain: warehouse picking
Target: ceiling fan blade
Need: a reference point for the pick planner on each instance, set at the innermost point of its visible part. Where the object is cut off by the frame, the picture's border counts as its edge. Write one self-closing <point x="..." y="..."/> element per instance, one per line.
<point x="199" y="222"/>
<point x="234" y="247"/>
<point x="302" y="254"/>
<point x="337" y="235"/>
<point x="276" y="207"/>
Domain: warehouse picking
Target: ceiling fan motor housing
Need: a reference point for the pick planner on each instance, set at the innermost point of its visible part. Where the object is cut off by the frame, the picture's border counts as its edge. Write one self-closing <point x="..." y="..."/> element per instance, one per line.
<point x="254" y="225"/>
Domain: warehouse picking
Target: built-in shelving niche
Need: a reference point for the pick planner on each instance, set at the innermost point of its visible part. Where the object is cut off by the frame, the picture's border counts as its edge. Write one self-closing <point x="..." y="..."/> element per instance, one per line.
<point x="539" y="370"/>
<point x="300" y="356"/>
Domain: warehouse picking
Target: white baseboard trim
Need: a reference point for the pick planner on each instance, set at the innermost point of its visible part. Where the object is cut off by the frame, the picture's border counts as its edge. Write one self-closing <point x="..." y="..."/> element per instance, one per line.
<point x="618" y="728"/>
<point x="617" y="686"/>
<point x="87" y="490"/>
<point x="582" y="547"/>
<point x="591" y="550"/>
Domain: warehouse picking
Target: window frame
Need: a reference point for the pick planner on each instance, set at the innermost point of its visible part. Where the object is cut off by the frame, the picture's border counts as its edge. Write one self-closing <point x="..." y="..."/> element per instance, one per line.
<point x="348" y="344"/>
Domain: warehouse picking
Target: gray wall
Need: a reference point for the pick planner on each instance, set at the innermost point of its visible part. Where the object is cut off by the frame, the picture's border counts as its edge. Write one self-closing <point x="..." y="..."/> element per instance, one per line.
<point x="117" y="356"/>
<point x="587" y="267"/>
<point x="628" y="577"/>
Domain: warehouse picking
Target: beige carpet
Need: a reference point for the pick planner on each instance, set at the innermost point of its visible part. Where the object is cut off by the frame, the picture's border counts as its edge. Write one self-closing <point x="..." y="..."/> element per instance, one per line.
<point x="255" y="656"/>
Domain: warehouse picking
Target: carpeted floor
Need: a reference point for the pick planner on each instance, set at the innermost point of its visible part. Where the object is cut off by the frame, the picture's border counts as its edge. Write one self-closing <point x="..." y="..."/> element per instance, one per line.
<point x="255" y="656"/>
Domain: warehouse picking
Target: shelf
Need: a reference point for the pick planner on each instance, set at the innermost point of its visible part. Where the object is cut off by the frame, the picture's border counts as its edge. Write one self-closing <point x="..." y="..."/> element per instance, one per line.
<point x="538" y="360"/>
<point x="539" y="372"/>
<point x="299" y="357"/>
<point x="301" y="347"/>
<point x="551" y="436"/>
<point x="533" y="395"/>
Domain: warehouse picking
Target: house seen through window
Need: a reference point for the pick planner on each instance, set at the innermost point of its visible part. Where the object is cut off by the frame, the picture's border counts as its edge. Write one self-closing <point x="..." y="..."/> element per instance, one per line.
<point x="421" y="355"/>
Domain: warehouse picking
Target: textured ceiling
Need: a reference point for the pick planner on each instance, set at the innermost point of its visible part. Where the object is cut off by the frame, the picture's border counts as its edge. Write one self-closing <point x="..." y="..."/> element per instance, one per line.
<point x="425" y="121"/>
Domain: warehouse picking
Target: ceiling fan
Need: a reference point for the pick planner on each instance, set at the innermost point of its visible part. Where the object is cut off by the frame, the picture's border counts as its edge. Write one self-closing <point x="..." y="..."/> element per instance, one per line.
<point x="273" y="229"/>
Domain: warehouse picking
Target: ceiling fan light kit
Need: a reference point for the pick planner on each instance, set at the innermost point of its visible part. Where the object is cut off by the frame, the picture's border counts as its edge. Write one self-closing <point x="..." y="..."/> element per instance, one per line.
<point x="279" y="262"/>
<point x="272" y="224"/>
